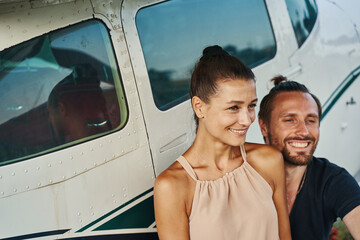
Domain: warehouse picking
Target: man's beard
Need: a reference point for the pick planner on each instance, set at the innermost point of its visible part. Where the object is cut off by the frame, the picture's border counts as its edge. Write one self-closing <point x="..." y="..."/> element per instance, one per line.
<point x="301" y="158"/>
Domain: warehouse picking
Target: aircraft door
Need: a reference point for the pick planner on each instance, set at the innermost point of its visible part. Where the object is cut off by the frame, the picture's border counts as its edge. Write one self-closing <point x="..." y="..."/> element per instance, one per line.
<point x="74" y="155"/>
<point x="328" y="53"/>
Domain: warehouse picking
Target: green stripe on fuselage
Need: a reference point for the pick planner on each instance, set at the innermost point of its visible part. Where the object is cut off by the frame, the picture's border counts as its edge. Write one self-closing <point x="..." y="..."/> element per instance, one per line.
<point x="140" y="216"/>
<point x="122" y="206"/>
<point x="339" y="91"/>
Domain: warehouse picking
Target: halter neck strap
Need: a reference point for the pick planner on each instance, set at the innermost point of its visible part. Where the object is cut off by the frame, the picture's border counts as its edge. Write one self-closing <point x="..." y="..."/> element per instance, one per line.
<point x="243" y="153"/>
<point x="186" y="165"/>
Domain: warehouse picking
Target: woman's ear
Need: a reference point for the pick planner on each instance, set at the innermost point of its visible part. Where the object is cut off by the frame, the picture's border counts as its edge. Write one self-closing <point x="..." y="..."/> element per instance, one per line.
<point x="198" y="106"/>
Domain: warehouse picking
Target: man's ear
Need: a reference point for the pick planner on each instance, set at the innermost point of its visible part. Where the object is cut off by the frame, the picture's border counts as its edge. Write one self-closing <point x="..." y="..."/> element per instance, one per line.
<point x="61" y="108"/>
<point x="263" y="128"/>
<point x="198" y="106"/>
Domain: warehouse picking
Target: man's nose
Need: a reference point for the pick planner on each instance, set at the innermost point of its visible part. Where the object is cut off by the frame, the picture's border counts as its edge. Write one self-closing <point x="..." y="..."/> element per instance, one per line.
<point x="302" y="129"/>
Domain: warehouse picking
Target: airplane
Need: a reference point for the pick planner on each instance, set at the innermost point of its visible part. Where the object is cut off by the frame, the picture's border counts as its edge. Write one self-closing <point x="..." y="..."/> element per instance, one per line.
<point x="94" y="99"/>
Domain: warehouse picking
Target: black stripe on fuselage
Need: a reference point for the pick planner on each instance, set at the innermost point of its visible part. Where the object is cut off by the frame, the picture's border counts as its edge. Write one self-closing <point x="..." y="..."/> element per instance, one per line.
<point x="37" y="235"/>
<point x="127" y="236"/>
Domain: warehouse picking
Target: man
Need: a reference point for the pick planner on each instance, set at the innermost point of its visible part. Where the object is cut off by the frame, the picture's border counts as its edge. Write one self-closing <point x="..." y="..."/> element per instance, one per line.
<point x="317" y="191"/>
<point x="77" y="108"/>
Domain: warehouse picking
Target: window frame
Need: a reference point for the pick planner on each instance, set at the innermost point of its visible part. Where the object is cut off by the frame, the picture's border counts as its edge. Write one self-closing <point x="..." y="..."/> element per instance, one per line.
<point x="173" y="103"/>
<point x="300" y="44"/>
<point x="118" y="88"/>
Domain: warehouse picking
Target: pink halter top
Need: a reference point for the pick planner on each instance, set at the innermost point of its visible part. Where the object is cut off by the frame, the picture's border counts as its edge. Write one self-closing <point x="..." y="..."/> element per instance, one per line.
<point x="238" y="205"/>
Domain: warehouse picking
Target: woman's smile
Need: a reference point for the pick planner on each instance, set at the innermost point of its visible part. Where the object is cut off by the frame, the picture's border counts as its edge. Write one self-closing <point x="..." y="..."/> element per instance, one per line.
<point x="238" y="131"/>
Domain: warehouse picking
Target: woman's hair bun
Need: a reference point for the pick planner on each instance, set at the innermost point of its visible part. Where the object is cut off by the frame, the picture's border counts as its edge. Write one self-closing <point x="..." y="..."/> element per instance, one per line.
<point x="279" y="79"/>
<point x="213" y="51"/>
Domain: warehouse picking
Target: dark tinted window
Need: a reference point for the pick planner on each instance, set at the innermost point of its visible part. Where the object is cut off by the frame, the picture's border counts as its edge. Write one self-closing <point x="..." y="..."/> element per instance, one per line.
<point x="303" y="15"/>
<point x="58" y="90"/>
<point x="174" y="33"/>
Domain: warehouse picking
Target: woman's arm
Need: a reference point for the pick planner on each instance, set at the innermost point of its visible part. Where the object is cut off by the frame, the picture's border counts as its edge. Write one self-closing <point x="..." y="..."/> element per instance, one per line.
<point x="270" y="164"/>
<point x="170" y="209"/>
<point x="279" y="197"/>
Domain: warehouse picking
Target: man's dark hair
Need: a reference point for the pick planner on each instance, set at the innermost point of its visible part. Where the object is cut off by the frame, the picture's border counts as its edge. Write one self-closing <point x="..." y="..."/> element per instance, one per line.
<point x="282" y="85"/>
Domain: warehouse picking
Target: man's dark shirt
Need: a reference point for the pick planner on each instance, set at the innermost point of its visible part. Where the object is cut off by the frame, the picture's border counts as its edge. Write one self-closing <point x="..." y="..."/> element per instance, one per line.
<point x="328" y="192"/>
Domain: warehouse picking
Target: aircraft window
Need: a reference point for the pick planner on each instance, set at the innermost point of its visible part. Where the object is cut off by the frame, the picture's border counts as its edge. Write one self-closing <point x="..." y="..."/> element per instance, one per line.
<point x="57" y="90"/>
<point x="174" y="33"/>
<point x="303" y="15"/>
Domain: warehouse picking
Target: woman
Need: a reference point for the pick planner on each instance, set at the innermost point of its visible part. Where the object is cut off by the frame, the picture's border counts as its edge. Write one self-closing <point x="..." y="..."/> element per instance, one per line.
<point x="222" y="187"/>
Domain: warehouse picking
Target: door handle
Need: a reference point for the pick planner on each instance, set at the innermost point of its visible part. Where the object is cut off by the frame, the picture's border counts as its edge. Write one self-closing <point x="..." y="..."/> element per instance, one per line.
<point x="351" y="102"/>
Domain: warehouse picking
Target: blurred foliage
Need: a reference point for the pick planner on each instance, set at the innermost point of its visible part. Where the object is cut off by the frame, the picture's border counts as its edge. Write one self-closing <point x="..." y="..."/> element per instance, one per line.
<point x="339" y="231"/>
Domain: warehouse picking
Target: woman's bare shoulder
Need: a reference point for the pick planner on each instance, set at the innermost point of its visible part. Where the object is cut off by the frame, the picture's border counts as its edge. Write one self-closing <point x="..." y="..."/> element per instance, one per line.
<point x="174" y="179"/>
<point x="174" y="188"/>
<point x="263" y="154"/>
<point x="266" y="160"/>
